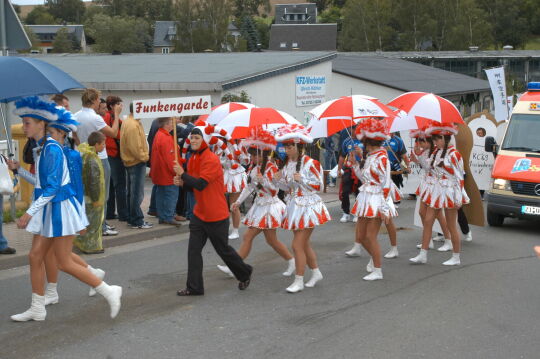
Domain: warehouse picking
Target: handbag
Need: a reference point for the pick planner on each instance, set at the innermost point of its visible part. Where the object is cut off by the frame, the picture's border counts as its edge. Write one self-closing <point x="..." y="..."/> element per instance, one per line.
<point x="6" y="183"/>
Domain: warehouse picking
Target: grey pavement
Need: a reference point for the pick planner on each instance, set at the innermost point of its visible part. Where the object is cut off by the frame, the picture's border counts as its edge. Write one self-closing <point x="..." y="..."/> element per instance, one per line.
<point x="485" y="308"/>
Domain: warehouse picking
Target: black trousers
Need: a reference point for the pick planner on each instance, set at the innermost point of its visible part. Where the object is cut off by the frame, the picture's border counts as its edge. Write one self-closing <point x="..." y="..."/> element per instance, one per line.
<point x="462" y="221"/>
<point x="218" y="233"/>
<point x="346" y="190"/>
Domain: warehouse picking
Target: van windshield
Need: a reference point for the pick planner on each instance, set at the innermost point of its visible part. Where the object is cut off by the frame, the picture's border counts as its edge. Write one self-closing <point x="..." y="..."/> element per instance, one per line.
<point x="523" y="133"/>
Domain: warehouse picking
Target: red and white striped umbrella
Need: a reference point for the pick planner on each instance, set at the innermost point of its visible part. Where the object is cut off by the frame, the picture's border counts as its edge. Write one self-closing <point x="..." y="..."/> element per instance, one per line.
<point x="239" y="123"/>
<point x="219" y="112"/>
<point x="335" y="115"/>
<point x="403" y="122"/>
<point x="427" y="106"/>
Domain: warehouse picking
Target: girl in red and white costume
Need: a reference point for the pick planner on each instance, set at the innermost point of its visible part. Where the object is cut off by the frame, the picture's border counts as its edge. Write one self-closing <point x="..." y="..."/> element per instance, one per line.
<point x="301" y="177"/>
<point x="267" y="212"/>
<point x="423" y="148"/>
<point x="235" y="177"/>
<point x="374" y="202"/>
<point x="446" y="192"/>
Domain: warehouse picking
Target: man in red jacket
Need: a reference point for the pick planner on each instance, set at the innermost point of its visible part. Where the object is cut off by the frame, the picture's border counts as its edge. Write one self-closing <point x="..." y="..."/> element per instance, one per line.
<point x="210" y="216"/>
<point x="162" y="172"/>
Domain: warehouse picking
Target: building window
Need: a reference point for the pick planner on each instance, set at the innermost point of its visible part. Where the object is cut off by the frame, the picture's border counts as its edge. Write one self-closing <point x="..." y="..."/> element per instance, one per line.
<point x="164" y="50"/>
<point x="294" y="45"/>
<point x="282" y="45"/>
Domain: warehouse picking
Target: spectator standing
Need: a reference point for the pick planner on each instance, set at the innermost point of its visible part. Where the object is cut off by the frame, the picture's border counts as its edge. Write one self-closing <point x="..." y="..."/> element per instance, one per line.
<point x="117" y="197"/>
<point x="90" y="121"/>
<point x="134" y="154"/>
<point x="397" y="152"/>
<point x="330" y="148"/>
<point x="162" y="172"/>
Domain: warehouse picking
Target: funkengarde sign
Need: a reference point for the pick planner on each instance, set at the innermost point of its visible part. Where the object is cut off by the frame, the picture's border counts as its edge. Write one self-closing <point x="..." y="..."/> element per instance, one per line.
<point x="172" y="107"/>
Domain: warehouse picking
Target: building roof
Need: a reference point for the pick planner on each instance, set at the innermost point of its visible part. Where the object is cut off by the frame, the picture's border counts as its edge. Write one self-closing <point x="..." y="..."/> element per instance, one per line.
<point x="43" y="30"/>
<point x="406" y="75"/>
<point x="162" y="32"/>
<point x="452" y="54"/>
<point x="307" y="37"/>
<point x="194" y="72"/>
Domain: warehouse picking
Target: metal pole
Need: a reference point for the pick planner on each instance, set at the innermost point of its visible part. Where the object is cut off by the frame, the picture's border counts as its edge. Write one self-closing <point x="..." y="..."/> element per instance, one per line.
<point x="3" y="35"/>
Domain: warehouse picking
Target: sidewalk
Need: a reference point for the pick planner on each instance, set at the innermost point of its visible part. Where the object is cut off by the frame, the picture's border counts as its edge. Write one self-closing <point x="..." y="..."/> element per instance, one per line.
<point x="21" y="240"/>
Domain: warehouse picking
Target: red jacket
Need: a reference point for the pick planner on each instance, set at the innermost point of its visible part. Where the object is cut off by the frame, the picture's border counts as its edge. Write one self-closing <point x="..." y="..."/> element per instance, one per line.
<point x="210" y="203"/>
<point x="161" y="170"/>
<point x="110" y="143"/>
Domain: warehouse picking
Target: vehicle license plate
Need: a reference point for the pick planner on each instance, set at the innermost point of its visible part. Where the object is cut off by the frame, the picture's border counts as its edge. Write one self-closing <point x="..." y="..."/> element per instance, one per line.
<point x="530" y="210"/>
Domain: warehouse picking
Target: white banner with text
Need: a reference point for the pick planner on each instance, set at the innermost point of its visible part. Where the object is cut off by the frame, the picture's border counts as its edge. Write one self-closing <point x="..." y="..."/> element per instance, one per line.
<point x="172" y="107"/>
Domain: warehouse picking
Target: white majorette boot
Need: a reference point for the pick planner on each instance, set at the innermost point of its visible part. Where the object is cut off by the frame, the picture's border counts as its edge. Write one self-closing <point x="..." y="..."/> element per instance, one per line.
<point x="290" y="268"/>
<point x="36" y="312"/>
<point x="100" y="273"/>
<point x="225" y="270"/>
<point x="369" y="267"/>
<point x="355" y="251"/>
<point x="421" y="258"/>
<point x="316" y="276"/>
<point x="234" y="234"/>
<point x="430" y="246"/>
<point x="345" y="218"/>
<point x="51" y="294"/>
<point x="112" y="293"/>
<point x="453" y="261"/>
<point x="375" y="275"/>
<point x="393" y="253"/>
<point x="297" y="285"/>
<point x="447" y="246"/>
<point x="468" y="236"/>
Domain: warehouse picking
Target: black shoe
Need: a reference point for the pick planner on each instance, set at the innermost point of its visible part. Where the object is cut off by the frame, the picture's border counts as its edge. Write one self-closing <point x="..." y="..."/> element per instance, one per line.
<point x="186" y="292"/>
<point x="243" y="285"/>
<point x="153" y="214"/>
<point x="114" y="216"/>
<point x="8" y="250"/>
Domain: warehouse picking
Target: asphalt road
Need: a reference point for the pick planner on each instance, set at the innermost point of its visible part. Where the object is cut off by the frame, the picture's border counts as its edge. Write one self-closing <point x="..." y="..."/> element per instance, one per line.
<point x="486" y="308"/>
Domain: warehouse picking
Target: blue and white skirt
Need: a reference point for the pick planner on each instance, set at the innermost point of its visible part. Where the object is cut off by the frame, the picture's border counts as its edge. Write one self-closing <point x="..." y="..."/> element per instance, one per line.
<point x="59" y="219"/>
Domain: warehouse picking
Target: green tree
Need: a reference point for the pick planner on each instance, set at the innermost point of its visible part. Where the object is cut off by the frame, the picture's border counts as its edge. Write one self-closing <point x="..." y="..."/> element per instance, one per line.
<point x="62" y="42"/>
<point x="40" y="16"/>
<point x="119" y="34"/>
<point x="250" y="7"/>
<point x="510" y="21"/>
<point x="186" y="18"/>
<point x="263" y="28"/>
<point x="34" y="40"/>
<point x="150" y="10"/>
<point x="71" y="11"/>
<point x="366" y="25"/>
<point x="230" y="97"/>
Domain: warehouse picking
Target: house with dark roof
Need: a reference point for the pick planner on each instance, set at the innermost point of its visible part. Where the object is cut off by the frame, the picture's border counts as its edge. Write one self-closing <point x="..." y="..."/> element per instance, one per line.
<point x="303" y="37"/>
<point x="165" y="36"/>
<point x="47" y="33"/>
<point x="386" y="78"/>
<point x="296" y="13"/>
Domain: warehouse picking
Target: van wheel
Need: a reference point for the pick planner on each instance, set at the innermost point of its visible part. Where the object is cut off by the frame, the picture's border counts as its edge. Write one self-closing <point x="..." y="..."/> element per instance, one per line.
<point x="494" y="219"/>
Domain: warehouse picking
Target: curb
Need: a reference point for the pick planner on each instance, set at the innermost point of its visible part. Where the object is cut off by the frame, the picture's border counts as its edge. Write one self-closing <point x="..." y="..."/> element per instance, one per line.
<point x="143" y="235"/>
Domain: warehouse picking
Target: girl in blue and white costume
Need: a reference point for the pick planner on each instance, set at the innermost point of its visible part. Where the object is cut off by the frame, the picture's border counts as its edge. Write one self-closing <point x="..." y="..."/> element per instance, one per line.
<point x="50" y="216"/>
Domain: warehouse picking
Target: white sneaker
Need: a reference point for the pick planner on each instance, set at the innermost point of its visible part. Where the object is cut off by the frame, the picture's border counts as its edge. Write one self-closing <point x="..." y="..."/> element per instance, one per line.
<point x="225" y="270"/>
<point x="345" y="218"/>
<point x="438" y="237"/>
<point x="453" y="261"/>
<point x="355" y="251"/>
<point x="112" y="294"/>
<point x="291" y="266"/>
<point x="369" y="266"/>
<point x="468" y="236"/>
<point x="316" y="276"/>
<point x="331" y="184"/>
<point x="354" y="218"/>
<point x="375" y="275"/>
<point x="447" y="246"/>
<point x="51" y="294"/>
<point x="421" y="258"/>
<point x="110" y="232"/>
<point x="431" y="244"/>
<point x="36" y="311"/>
<point x="393" y="253"/>
<point x="234" y="234"/>
<point x="297" y="285"/>
<point x="100" y="273"/>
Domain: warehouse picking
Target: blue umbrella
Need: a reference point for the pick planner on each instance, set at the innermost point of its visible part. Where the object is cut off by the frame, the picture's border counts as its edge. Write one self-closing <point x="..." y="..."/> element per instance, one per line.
<point x="23" y="76"/>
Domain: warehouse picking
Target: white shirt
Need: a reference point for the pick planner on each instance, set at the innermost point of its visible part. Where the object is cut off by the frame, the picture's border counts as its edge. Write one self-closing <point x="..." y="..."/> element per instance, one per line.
<point x="89" y="121"/>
